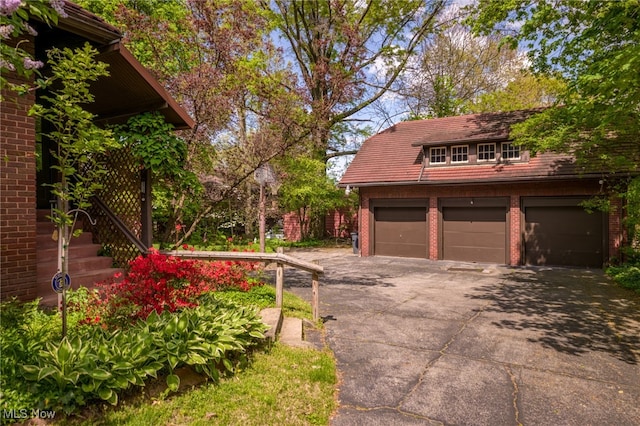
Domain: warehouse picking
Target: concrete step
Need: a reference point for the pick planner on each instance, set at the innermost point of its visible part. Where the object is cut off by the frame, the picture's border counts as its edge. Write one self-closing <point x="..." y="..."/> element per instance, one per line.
<point x="290" y="331"/>
<point x="75" y="251"/>
<point x="292" y="334"/>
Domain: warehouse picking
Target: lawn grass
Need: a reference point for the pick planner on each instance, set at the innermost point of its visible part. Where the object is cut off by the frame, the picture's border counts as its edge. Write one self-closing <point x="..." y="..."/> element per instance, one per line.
<point x="281" y="386"/>
<point x="264" y="296"/>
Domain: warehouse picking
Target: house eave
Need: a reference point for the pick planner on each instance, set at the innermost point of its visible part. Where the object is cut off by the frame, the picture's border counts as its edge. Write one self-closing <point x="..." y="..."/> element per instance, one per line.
<point x="460" y="182"/>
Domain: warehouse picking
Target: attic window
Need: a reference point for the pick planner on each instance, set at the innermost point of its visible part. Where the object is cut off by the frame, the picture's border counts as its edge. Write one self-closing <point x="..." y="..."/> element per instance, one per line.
<point x="486" y="151"/>
<point x="510" y="151"/>
<point x="438" y="155"/>
<point x="460" y="154"/>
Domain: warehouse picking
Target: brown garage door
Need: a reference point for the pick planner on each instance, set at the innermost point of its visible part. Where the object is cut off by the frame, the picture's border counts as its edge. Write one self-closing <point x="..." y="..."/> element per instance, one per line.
<point x="475" y="234"/>
<point x="563" y="235"/>
<point x="400" y="231"/>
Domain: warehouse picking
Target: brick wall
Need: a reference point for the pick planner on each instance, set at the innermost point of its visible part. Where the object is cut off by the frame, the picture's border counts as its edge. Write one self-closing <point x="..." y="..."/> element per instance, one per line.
<point x="514" y="191"/>
<point x="17" y="198"/>
<point x="291" y="227"/>
<point x="341" y="223"/>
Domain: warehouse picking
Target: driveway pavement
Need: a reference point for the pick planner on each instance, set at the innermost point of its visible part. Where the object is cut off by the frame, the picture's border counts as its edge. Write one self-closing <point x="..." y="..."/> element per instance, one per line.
<point x="419" y="342"/>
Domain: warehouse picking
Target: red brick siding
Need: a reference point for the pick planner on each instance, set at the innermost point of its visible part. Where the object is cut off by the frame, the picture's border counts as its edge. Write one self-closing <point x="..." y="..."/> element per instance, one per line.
<point x="17" y="198"/>
<point x="515" y="192"/>
<point x="341" y="223"/>
<point x="291" y="227"/>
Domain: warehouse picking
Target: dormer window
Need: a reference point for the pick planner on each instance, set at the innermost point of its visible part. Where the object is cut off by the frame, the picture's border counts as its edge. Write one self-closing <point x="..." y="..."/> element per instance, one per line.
<point x="510" y="151"/>
<point x="438" y="155"/>
<point x="460" y="154"/>
<point x="486" y="152"/>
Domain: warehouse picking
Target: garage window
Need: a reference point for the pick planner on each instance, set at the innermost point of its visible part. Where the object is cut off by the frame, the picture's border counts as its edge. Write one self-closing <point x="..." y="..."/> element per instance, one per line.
<point x="510" y="151"/>
<point x="438" y="155"/>
<point x="486" y="152"/>
<point x="460" y="154"/>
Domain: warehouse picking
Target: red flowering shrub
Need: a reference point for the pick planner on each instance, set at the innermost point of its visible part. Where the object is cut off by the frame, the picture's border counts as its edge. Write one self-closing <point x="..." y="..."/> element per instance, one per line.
<point x="158" y="282"/>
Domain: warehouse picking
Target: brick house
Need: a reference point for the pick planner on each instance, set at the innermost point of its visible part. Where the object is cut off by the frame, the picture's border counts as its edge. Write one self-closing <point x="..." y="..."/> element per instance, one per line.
<point x="27" y="252"/>
<point x="456" y="188"/>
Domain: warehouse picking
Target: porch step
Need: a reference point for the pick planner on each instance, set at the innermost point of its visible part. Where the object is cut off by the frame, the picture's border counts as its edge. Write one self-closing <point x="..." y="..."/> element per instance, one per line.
<point x="77" y="265"/>
<point x="86" y="268"/>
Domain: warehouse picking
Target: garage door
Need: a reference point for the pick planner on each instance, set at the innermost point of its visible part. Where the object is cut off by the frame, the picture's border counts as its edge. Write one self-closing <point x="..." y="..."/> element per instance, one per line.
<point x="475" y="234"/>
<point x="563" y="235"/>
<point x="400" y="231"/>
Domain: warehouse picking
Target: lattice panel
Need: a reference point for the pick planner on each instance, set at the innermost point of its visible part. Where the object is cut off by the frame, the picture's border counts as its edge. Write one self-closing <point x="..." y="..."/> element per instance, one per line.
<point x="121" y="193"/>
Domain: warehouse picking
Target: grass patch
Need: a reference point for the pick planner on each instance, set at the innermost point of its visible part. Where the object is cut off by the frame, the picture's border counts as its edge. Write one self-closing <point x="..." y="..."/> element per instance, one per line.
<point x="264" y="296"/>
<point x="288" y="386"/>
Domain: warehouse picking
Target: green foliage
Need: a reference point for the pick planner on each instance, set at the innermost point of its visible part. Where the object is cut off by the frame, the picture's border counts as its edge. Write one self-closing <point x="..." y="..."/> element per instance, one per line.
<point x="153" y="141"/>
<point x="268" y="392"/>
<point x="527" y="91"/>
<point x="627" y="276"/>
<point x="309" y="192"/>
<point x="97" y="364"/>
<point x="595" y="46"/>
<point x="24" y="330"/>
<point x="14" y="24"/>
<point x="265" y="296"/>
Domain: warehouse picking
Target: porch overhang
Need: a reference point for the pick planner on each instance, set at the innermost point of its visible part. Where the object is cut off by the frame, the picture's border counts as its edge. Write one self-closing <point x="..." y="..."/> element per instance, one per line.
<point x="130" y="89"/>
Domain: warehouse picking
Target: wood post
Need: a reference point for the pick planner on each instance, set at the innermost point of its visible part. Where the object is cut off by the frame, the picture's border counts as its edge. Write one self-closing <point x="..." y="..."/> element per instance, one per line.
<point x="279" y="279"/>
<point x="315" y="295"/>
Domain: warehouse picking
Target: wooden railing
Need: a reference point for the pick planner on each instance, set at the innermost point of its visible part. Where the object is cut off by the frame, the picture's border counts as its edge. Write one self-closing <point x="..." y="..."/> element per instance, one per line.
<point x="278" y="258"/>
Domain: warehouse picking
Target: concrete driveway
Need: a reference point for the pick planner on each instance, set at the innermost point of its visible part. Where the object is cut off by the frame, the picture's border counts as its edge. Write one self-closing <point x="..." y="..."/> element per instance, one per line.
<point x="420" y="342"/>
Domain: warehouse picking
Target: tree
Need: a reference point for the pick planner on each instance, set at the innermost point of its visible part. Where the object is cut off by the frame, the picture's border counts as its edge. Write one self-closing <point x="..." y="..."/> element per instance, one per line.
<point x="526" y="91"/>
<point x="77" y="141"/>
<point x="595" y="47"/>
<point x="454" y="68"/>
<point x="215" y="58"/>
<point x="309" y="192"/>
<point x="348" y="54"/>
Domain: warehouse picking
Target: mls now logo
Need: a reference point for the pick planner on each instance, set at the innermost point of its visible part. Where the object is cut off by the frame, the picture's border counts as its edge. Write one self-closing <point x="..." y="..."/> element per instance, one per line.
<point x="23" y="413"/>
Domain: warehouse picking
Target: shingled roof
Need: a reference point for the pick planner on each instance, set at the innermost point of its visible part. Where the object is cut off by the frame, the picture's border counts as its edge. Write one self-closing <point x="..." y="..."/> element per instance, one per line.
<point x="394" y="156"/>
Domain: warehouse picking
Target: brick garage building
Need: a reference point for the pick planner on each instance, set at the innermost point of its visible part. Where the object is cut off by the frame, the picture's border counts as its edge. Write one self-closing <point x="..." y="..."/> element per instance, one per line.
<point x="128" y="90"/>
<point x="456" y="188"/>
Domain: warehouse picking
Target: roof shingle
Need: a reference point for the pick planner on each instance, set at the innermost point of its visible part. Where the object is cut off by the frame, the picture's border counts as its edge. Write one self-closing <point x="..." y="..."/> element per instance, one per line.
<point x="395" y="154"/>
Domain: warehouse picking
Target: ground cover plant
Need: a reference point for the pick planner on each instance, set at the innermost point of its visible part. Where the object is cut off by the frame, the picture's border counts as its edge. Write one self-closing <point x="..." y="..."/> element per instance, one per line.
<point x="161" y="316"/>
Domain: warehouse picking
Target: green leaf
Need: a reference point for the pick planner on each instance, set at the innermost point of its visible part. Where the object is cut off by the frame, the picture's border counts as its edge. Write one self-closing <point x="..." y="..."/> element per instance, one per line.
<point x="183" y="322"/>
<point x="46" y="372"/>
<point x="64" y="351"/>
<point x="105" y="393"/>
<point x="88" y="387"/>
<point x="100" y="374"/>
<point x="173" y="382"/>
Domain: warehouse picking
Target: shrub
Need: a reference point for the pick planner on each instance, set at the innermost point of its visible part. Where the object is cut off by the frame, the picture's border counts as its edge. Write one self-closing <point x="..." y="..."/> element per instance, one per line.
<point x="627" y="276"/>
<point x="158" y="283"/>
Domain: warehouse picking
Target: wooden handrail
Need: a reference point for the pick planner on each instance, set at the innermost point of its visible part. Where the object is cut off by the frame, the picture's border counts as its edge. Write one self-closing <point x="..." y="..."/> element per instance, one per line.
<point x="279" y="258"/>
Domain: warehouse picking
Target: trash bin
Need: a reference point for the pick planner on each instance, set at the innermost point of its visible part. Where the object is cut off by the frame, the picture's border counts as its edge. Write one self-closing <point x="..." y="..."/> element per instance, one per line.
<point x="354" y="242"/>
